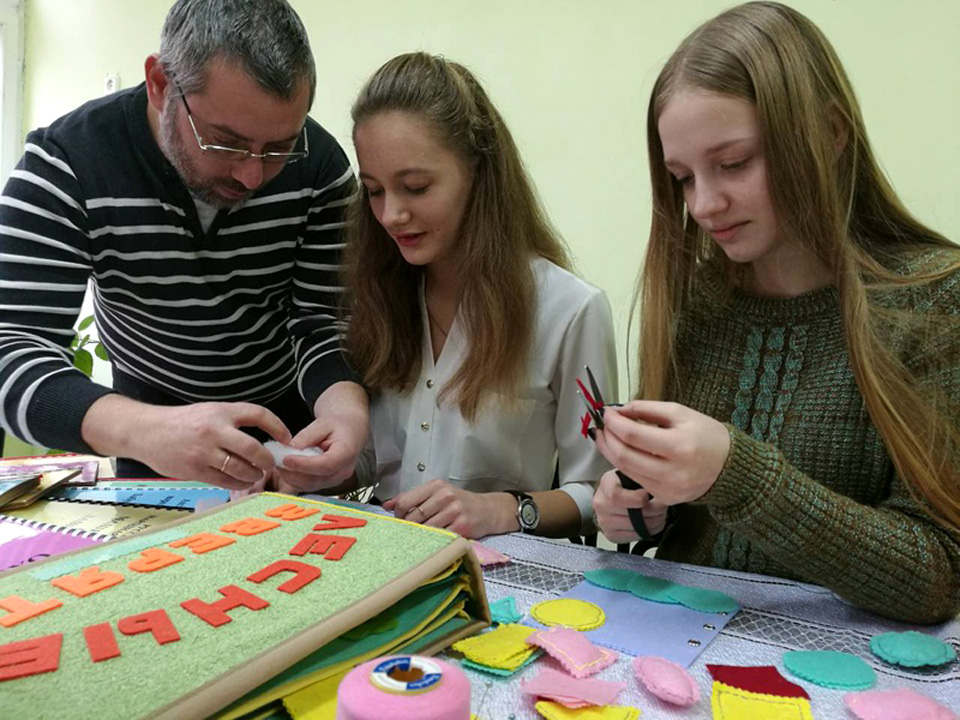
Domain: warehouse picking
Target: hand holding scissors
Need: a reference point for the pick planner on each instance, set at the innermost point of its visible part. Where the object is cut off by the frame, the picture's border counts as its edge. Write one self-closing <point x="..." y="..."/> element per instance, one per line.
<point x="595" y="406"/>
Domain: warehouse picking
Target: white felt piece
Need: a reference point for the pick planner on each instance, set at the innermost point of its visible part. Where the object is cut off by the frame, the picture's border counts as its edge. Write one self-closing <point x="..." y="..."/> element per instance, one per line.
<point x="280" y="452"/>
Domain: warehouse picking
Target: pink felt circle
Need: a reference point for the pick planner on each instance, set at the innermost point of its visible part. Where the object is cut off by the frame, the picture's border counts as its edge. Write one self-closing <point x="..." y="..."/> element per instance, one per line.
<point x="667" y="680"/>
<point x="903" y="704"/>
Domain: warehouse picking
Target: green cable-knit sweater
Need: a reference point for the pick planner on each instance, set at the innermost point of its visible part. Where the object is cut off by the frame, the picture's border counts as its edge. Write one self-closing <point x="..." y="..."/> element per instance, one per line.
<point x="808" y="491"/>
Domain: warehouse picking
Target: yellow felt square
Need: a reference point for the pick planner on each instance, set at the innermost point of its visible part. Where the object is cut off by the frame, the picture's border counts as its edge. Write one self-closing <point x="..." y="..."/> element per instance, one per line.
<point x="505" y="648"/>
<point x="730" y="703"/>
<point x="569" y="612"/>
<point x="315" y="702"/>
<point x="556" y="711"/>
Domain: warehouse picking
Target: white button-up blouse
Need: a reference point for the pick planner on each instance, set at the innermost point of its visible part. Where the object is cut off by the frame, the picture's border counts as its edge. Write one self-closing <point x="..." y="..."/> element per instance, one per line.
<point x="416" y="439"/>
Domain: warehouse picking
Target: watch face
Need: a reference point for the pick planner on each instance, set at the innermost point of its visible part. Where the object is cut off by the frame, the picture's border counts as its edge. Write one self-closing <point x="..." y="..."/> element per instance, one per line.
<point x="529" y="515"/>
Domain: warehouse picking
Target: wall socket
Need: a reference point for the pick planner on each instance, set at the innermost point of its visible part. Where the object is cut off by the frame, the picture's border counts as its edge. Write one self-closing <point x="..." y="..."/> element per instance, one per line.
<point x="111" y="83"/>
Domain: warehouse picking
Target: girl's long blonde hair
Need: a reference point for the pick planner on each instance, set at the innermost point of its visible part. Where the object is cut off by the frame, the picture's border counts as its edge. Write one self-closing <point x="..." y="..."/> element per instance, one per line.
<point x="503" y="228"/>
<point x="841" y="206"/>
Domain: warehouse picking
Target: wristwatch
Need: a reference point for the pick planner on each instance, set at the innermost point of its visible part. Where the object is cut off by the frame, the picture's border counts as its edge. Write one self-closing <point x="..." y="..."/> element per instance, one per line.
<point x="528" y="514"/>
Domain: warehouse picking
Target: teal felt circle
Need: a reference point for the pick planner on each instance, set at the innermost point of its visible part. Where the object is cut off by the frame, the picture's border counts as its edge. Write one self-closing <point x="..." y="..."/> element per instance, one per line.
<point x="912" y="649"/>
<point x="703" y="600"/>
<point x="831" y="669"/>
<point x="655" y="589"/>
<point x="611" y="579"/>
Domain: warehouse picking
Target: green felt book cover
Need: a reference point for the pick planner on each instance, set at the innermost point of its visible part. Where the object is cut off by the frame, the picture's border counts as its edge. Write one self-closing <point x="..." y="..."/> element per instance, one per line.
<point x="187" y="618"/>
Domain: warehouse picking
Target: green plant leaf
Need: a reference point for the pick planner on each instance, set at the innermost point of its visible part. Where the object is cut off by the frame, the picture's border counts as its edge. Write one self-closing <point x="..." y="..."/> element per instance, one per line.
<point x="101" y="352"/>
<point x="73" y="343"/>
<point x="83" y="361"/>
<point x="85" y="323"/>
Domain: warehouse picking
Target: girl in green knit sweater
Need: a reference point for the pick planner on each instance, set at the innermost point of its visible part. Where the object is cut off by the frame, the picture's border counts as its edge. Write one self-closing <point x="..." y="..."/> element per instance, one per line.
<point x="799" y="396"/>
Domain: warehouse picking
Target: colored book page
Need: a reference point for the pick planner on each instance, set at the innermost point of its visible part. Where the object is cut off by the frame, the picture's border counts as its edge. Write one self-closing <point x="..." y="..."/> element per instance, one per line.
<point x="16" y="484"/>
<point x="167" y="496"/>
<point x="21" y="544"/>
<point x="50" y="480"/>
<point x="93" y="466"/>
<point x="112" y="520"/>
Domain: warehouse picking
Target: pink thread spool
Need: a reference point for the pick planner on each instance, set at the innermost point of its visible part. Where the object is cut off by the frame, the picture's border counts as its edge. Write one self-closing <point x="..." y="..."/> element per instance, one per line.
<point x="404" y="687"/>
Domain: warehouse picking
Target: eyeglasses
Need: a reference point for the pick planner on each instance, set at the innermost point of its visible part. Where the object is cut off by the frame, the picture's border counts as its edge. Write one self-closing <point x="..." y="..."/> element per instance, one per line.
<point x="237" y="154"/>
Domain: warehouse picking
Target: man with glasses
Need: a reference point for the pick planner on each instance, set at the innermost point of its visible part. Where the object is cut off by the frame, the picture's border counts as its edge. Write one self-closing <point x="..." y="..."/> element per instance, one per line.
<point x="206" y="207"/>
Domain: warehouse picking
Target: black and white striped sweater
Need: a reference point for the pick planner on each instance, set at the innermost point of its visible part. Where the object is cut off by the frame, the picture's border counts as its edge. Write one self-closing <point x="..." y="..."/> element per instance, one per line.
<point x="241" y="312"/>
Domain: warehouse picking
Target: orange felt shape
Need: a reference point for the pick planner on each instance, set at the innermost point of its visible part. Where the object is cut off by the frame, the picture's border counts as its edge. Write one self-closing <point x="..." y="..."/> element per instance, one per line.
<point x="203" y="542"/>
<point x="305" y="574"/>
<point x="30" y="657"/>
<point x="101" y="642"/>
<point x="250" y="526"/>
<point x="89" y="581"/>
<point x="20" y="609"/>
<point x="155" y="621"/>
<point x="215" y="613"/>
<point x="153" y="559"/>
<point x="290" y="512"/>
<point x="332" y="547"/>
<point x="339" y="522"/>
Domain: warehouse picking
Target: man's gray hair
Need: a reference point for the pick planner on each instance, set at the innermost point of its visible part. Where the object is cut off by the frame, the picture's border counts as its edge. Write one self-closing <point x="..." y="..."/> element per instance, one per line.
<point x="265" y="37"/>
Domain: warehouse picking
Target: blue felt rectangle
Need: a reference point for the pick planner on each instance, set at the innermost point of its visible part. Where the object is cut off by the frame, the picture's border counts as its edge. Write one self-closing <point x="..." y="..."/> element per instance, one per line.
<point x="641" y="627"/>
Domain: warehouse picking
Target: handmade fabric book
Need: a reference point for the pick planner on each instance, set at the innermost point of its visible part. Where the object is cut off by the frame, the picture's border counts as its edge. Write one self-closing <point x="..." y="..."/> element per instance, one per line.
<point x="228" y="610"/>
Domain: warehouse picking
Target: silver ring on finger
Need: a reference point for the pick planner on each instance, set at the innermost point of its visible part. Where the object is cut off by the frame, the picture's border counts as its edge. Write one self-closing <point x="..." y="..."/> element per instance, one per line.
<point x="226" y="461"/>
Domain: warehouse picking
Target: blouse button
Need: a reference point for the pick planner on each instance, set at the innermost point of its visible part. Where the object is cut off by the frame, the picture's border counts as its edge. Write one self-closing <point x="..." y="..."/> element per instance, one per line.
<point x="430" y="384"/>
<point x="424" y="426"/>
<point x="421" y="467"/>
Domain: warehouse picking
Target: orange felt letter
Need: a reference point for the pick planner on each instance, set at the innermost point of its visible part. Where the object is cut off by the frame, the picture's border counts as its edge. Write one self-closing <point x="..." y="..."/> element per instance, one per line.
<point x="305" y="574"/>
<point x="250" y="526"/>
<point x="203" y="542"/>
<point x="20" y="609"/>
<point x="291" y="512"/>
<point x="332" y="547"/>
<point x="153" y="559"/>
<point x="101" y="642"/>
<point x="216" y="613"/>
<point x="89" y="581"/>
<point x="339" y="522"/>
<point x="30" y="657"/>
<point x="155" y="621"/>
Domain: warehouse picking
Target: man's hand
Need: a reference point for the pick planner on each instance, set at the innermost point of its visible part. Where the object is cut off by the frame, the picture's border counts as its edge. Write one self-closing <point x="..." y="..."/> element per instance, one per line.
<point x="202" y="441"/>
<point x="340" y="430"/>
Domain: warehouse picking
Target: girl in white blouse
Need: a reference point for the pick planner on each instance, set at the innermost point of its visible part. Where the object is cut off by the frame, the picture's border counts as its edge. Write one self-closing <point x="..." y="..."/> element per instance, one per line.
<point x="465" y="320"/>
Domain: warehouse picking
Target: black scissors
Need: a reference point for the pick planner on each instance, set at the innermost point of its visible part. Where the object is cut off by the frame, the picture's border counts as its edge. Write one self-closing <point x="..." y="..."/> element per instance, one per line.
<point x="595" y="406"/>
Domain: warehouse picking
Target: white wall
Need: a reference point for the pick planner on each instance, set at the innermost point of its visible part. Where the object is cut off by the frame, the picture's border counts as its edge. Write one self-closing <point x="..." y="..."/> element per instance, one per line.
<point x="572" y="79"/>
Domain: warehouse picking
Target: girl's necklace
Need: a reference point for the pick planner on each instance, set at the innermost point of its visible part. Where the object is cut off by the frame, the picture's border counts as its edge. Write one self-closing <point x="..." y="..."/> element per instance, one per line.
<point x="436" y="324"/>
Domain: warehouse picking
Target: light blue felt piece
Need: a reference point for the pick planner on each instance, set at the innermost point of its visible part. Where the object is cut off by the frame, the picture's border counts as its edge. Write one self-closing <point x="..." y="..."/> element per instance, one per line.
<point x="703" y="599"/>
<point x="612" y="579"/>
<point x="110" y="551"/>
<point x="505" y="610"/>
<point x="498" y="671"/>
<point x="830" y="669"/>
<point x="912" y="649"/>
<point x="656" y="590"/>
